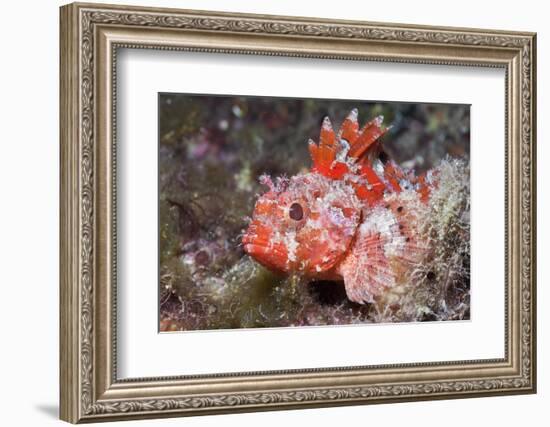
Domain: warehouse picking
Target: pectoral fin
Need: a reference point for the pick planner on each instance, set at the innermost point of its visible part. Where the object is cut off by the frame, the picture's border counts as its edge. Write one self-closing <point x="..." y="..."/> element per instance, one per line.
<point x="366" y="272"/>
<point x="381" y="252"/>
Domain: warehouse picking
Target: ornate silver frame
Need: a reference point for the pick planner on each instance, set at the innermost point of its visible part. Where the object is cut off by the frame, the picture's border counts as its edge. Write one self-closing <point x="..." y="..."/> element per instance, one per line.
<point x="90" y="36"/>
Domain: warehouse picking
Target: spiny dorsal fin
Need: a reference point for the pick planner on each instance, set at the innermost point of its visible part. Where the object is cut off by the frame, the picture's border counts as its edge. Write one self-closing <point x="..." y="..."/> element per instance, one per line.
<point x="366" y="138"/>
<point x="350" y="127"/>
<point x="335" y="152"/>
<point x="354" y="151"/>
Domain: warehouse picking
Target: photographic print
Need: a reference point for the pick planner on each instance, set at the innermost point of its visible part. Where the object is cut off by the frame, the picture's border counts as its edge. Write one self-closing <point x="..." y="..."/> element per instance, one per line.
<point x="278" y="212"/>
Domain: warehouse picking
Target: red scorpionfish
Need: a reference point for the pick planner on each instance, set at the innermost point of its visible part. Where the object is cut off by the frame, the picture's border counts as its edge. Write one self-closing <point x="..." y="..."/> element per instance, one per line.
<point x="352" y="217"/>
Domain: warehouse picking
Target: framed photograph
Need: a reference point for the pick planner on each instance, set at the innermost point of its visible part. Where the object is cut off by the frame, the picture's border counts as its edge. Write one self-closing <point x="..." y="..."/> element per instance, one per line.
<point x="267" y="212"/>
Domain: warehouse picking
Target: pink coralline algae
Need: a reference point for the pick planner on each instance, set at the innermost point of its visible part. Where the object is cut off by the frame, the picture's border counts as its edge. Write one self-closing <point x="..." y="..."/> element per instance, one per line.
<point x="386" y="232"/>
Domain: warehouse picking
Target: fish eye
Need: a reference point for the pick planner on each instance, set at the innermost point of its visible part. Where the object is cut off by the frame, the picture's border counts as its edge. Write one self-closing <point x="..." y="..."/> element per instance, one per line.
<point x="296" y="212"/>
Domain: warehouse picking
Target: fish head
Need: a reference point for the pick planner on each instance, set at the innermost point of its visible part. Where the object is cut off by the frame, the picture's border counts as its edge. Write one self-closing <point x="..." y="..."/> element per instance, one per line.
<point x="305" y="224"/>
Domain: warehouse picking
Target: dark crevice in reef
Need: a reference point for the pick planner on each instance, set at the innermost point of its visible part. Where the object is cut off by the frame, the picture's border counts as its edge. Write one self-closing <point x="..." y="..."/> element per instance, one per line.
<point x="327" y="292"/>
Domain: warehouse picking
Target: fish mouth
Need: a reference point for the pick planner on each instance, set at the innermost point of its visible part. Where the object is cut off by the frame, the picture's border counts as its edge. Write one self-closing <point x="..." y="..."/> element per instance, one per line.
<point x="264" y="256"/>
<point x="257" y="238"/>
<point x="254" y="245"/>
<point x="251" y="247"/>
<point x="259" y="246"/>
